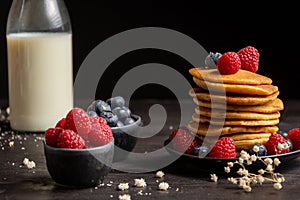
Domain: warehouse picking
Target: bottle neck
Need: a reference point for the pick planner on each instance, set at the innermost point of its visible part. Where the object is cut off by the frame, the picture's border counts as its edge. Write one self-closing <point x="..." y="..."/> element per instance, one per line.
<point x="38" y="16"/>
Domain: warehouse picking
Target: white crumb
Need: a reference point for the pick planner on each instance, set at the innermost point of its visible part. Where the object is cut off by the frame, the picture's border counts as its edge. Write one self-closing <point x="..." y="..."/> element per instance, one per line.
<point x="11" y="143"/>
<point x="29" y="164"/>
<point x="140" y="182"/>
<point x="125" y="197"/>
<point x="160" y="174"/>
<point x="123" y="186"/>
<point x="163" y="186"/>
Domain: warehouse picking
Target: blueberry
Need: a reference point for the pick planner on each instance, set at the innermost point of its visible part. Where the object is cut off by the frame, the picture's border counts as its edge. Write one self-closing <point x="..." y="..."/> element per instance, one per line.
<point x="289" y="143"/>
<point x="201" y="151"/>
<point x="92" y="113"/>
<point x="212" y="59"/>
<point x="127" y="110"/>
<point x="117" y="101"/>
<point x="261" y="152"/>
<point x="120" y="124"/>
<point x="110" y="118"/>
<point x="122" y="112"/>
<point x="98" y="106"/>
<point x="283" y="133"/>
<point x="102" y="106"/>
<point x="128" y="120"/>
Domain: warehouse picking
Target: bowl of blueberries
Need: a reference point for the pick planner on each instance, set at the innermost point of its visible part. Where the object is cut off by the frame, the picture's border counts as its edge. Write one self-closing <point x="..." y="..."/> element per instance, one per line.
<point x="124" y="124"/>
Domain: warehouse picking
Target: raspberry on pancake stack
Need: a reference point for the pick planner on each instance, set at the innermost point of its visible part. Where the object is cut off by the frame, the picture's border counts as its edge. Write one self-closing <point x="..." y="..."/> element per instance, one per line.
<point x="240" y="104"/>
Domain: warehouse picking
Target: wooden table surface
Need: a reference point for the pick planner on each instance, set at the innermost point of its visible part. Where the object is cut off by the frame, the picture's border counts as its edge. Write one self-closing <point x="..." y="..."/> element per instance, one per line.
<point x="187" y="180"/>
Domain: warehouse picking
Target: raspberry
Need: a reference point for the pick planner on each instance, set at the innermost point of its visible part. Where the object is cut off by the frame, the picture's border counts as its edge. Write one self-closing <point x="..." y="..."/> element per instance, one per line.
<point x="97" y="119"/>
<point x="61" y="123"/>
<point x="51" y="136"/>
<point x="100" y="136"/>
<point x="184" y="141"/>
<point x="229" y="63"/>
<point x="223" y="148"/>
<point x="69" y="139"/>
<point x="173" y="133"/>
<point x="78" y="121"/>
<point x="294" y="136"/>
<point x="249" y="57"/>
<point x="273" y="142"/>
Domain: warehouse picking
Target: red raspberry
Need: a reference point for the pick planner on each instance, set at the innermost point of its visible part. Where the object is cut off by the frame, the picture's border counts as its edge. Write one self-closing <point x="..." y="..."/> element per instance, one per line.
<point x="69" y="139"/>
<point x="184" y="141"/>
<point x="51" y="136"/>
<point x="100" y="136"/>
<point x="173" y="133"/>
<point x="294" y="136"/>
<point x="272" y="145"/>
<point x="78" y="121"/>
<point x="61" y="123"/>
<point x="229" y="63"/>
<point x="249" y="57"/>
<point x="98" y="120"/>
<point x="223" y="148"/>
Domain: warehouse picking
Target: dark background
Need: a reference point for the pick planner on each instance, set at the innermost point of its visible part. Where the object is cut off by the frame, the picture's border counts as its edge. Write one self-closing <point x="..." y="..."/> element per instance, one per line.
<point x="218" y="26"/>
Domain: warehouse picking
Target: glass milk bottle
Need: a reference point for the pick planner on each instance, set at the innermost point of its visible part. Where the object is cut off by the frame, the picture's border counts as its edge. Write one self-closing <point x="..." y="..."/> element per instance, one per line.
<point x="40" y="67"/>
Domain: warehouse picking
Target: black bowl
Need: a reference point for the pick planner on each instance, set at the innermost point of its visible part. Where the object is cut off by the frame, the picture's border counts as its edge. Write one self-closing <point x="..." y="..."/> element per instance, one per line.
<point x="79" y="167"/>
<point x="126" y="138"/>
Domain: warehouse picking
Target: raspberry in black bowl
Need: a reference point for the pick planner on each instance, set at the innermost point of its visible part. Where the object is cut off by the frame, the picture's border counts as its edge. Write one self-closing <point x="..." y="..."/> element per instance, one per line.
<point x="79" y="150"/>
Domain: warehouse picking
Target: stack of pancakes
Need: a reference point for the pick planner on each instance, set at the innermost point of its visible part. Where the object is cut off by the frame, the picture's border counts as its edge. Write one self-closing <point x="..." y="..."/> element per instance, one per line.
<point x="244" y="106"/>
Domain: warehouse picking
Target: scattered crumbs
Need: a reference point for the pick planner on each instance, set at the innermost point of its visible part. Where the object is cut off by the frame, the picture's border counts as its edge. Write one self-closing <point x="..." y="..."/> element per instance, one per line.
<point x="23" y="148"/>
<point x="140" y="192"/>
<point x="111" y="196"/>
<point x="171" y="127"/>
<point x="214" y="177"/>
<point x="140" y="182"/>
<point x="101" y="185"/>
<point x="13" y="164"/>
<point x="157" y="181"/>
<point x="125" y="197"/>
<point x="29" y="164"/>
<point x="163" y="186"/>
<point x="4" y="178"/>
<point x="11" y="143"/>
<point x="111" y="182"/>
<point x="108" y="184"/>
<point x="177" y="189"/>
<point x="123" y="186"/>
<point x="96" y="188"/>
<point x="2" y="148"/>
<point x="160" y="174"/>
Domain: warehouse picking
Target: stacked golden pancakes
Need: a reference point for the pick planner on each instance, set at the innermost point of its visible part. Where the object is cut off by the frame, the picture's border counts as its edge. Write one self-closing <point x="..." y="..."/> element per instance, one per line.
<point x="244" y="106"/>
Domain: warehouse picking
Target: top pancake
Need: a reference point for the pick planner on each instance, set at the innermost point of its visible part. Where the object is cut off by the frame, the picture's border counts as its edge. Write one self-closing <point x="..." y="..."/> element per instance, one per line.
<point x="232" y="99"/>
<point x="237" y="89"/>
<point x="242" y="77"/>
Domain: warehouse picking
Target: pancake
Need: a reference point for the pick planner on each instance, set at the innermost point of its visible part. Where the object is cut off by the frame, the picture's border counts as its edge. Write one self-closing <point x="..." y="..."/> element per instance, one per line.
<point x="236" y="114"/>
<point x="235" y="99"/>
<point x="242" y="77"/>
<point x="204" y="129"/>
<point x="270" y="107"/>
<point x="249" y="136"/>
<point x="247" y="144"/>
<point x="237" y="89"/>
<point x="243" y="141"/>
<point x="234" y="122"/>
